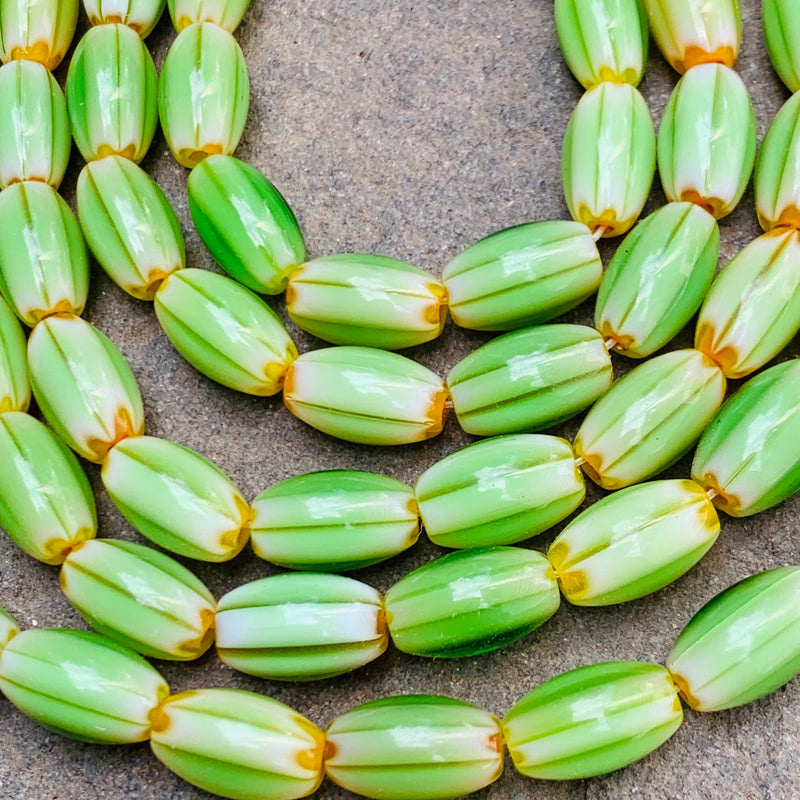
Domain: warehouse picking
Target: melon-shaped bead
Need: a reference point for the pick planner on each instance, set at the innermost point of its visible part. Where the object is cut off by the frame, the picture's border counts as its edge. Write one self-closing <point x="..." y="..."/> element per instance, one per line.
<point x="649" y="418"/>
<point x="39" y="31"/>
<point x="225" y="13"/>
<point x="780" y="18"/>
<point x="609" y="158"/>
<point x="365" y="395"/>
<point x="203" y="94"/>
<point x="8" y="628"/>
<point x="34" y="126"/>
<point x="15" y="388"/>
<point x="81" y="685"/>
<point x="177" y="498"/>
<point x="139" y="15"/>
<point x="238" y="744"/>
<point x="592" y="720"/>
<point x="634" y="542"/>
<point x="245" y="222"/>
<point x="657" y="279"/>
<point x="522" y="276"/>
<point x="414" y="747"/>
<point x="741" y="645"/>
<point x="140" y="598"/>
<point x="357" y="298"/>
<point x="129" y="225"/>
<point x="334" y="521"/>
<point x="44" y="268"/>
<point x="301" y="626"/>
<point x="471" y="602"/>
<point x="46" y="504"/>
<point x="225" y="331"/>
<point x="753" y="309"/>
<point x="83" y="386"/>
<point x="530" y="379"/>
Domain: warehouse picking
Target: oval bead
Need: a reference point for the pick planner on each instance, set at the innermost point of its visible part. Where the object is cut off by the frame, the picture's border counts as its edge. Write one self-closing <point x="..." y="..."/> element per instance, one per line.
<point x="238" y="744"/>
<point x="365" y="395"/>
<point x="140" y="598"/>
<point x="177" y="498"/>
<point x="37" y="31"/>
<point x="301" y="627"/>
<point x="471" y="602"/>
<point x="245" y="222"/>
<point x="8" y="628"/>
<point x="523" y="275"/>
<point x="741" y="645"/>
<point x="779" y="18"/>
<point x="203" y="94"/>
<point x="753" y="309"/>
<point x="414" y="747"/>
<point x="139" y="15"/>
<point x="334" y="521"/>
<point x="634" y="542"/>
<point x="44" y="268"/>
<point x="225" y="13"/>
<point x="81" y="685"/>
<point x="34" y="126"/>
<point x="649" y="418"/>
<point x="657" y="279"/>
<point x="530" y="379"/>
<point x="592" y="720"/>
<point x="499" y="491"/>
<point x="608" y="158"/>
<point x="15" y="388"/>
<point x="357" y="298"/>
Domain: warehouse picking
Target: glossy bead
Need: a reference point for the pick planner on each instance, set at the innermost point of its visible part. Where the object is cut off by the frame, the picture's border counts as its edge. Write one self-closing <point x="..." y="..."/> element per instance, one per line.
<point x="40" y="31"/>
<point x="225" y="13"/>
<point x="139" y="15"/>
<point x="522" y="276"/>
<point x="8" y="628"/>
<point x="15" y="388"/>
<point x="779" y="18"/>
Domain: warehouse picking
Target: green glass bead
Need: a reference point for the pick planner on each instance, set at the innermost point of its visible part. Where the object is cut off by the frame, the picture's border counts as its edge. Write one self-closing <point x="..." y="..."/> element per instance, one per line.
<point x="530" y="379"/>
<point x="225" y="331"/>
<point x="781" y="18"/>
<point x="34" y="126"/>
<point x="177" y="498"/>
<point x="357" y="298"/>
<point x="81" y="685"/>
<point x="15" y="388"/>
<point x="203" y="94"/>
<point x="334" y="521"/>
<point x="499" y="491"/>
<point x="657" y="279"/>
<point x="301" y="626"/>
<point x="111" y="94"/>
<point x="365" y="395"/>
<point x="83" y="386"/>
<point x="8" y="628"/>
<point x="602" y="40"/>
<point x="140" y="598"/>
<point x="46" y="504"/>
<point x="608" y="158"/>
<point x="224" y="13"/>
<point x="522" y="276"/>
<point x="592" y="720"/>
<point x="753" y="309"/>
<point x="40" y="31"/>
<point x="414" y="747"/>
<point x="139" y="15"/>
<point x="245" y="223"/>
<point x="471" y="602"/>
<point x="649" y="418"/>
<point x="44" y="268"/>
<point x="634" y="542"/>
<point x="239" y="744"/>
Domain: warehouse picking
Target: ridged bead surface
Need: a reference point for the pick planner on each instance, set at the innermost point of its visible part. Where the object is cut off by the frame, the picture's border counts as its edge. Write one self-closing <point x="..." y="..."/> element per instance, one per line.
<point x="15" y="388"/>
<point x="781" y="19"/>
<point x="139" y="15"/>
<point x="37" y="31"/>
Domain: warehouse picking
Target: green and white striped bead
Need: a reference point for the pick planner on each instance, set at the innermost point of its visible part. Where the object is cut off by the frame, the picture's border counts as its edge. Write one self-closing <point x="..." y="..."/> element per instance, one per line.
<point x="225" y="13"/>
<point x="40" y="31"/>
<point x="139" y="15"/>
<point x="781" y="18"/>
<point x="15" y="388"/>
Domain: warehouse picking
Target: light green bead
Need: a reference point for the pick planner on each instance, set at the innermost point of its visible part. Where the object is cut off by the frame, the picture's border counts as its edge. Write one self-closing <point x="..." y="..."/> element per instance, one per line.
<point x="522" y="276"/>
<point x="357" y="298"/>
<point x="301" y="627"/>
<point x="781" y="18"/>
<point x="608" y="158"/>
<point x="81" y="685"/>
<point x="334" y="521"/>
<point x="139" y="15"/>
<point x="365" y="395"/>
<point x="657" y="279"/>
<point x="239" y="744"/>
<point x="46" y="504"/>
<point x="15" y="388"/>
<point x="414" y="747"/>
<point x="203" y="94"/>
<point x="225" y="13"/>
<point x="43" y="264"/>
<point x="177" y="498"/>
<point x="8" y="628"/>
<point x="140" y="598"/>
<point x="592" y="720"/>
<point x="499" y="491"/>
<point x="649" y="418"/>
<point x="39" y="31"/>
<point x="530" y="379"/>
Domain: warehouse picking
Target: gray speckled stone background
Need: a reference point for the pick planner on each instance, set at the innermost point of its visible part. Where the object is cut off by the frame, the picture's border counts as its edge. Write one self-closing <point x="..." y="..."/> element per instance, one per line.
<point x="409" y="129"/>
